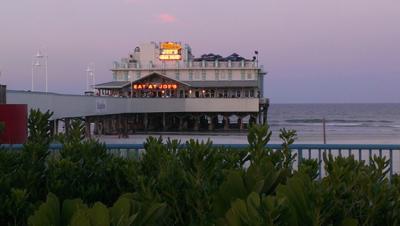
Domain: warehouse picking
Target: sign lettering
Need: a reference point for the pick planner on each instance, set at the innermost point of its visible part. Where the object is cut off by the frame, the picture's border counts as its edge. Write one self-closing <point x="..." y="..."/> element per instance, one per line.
<point x="170" y="51"/>
<point x="155" y="86"/>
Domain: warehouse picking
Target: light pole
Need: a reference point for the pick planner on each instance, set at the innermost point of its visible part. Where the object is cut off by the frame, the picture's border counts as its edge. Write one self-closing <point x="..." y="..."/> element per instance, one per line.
<point x="40" y="57"/>
<point x="35" y="63"/>
<point x="90" y="75"/>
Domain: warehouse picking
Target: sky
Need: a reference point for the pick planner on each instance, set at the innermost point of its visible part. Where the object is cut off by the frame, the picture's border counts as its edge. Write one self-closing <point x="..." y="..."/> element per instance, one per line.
<point x="315" y="51"/>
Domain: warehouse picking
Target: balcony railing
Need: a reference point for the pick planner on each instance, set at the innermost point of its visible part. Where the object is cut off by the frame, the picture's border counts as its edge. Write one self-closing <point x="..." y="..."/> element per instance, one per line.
<point x="361" y="152"/>
<point x="188" y="65"/>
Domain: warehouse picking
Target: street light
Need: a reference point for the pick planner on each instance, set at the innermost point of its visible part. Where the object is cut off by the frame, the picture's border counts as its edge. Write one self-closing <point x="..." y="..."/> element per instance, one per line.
<point x="36" y="63"/>
<point x="90" y="74"/>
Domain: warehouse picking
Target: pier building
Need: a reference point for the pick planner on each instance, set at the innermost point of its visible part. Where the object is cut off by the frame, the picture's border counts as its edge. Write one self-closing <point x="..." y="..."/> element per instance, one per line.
<point x="218" y="93"/>
<point x="163" y="87"/>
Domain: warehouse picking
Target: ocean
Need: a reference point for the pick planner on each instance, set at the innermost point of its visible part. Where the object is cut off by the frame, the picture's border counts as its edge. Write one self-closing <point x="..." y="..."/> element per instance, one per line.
<point x="345" y="124"/>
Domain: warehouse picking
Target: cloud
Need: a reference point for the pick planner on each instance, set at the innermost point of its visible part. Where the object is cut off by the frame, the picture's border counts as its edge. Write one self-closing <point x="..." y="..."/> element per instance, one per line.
<point x="166" y="18"/>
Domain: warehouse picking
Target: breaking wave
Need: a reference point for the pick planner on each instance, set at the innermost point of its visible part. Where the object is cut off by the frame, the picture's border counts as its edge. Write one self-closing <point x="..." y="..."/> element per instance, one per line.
<point x="338" y="121"/>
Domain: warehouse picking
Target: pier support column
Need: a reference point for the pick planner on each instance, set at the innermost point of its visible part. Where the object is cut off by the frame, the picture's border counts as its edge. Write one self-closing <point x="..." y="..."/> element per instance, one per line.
<point x="258" y="117"/>
<point x="180" y="128"/>
<point x="241" y="123"/>
<point x="196" y="123"/>
<point x="119" y="126"/>
<point x="55" y="129"/>
<point x="210" y="124"/>
<point x="145" y="121"/>
<point x="226" y="122"/>
<point x="100" y="126"/>
<point x="124" y="126"/>
<point x="164" y="122"/>
<point x="67" y="125"/>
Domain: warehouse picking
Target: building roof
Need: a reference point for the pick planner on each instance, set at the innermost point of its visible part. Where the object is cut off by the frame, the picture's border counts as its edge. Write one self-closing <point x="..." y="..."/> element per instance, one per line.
<point x="195" y="84"/>
<point x="223" y="83"/>
<point x="112" y="85"/>
<point x="213" y="57"/>
<point x="162" y="76"/>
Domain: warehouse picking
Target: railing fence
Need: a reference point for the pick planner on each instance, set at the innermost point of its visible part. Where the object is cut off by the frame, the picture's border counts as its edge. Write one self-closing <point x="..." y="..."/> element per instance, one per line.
<point x="361" y="152"/>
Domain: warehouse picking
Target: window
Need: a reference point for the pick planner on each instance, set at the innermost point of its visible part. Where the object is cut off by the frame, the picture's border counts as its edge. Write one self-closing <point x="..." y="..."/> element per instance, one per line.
<point x="246" y="93"/>
<point x="242" y="74"/>
<point x="249" y="75"/>
<point x="125" y="76"/>
<point x="216" y="74"/>
<point x="197" y="75"/>
<point x="238" y="93"/>
<point x="216" y="63"/>
<point x="203" y="74"/>
<point x="230" y="74"/>
<point x="203" y="63"/>
<point x="138" y="74"/>
<point x="190" y="75"/>
<point x="252" y="93"/>
<point x="177" y="77"/>
<point x="223" y="75"/>
<point x="114" y="75"/>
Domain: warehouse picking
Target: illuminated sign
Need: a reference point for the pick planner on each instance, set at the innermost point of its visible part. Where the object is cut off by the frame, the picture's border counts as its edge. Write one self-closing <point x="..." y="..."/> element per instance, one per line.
<point x="170" y="51"/>
<point x="155" y="86"/>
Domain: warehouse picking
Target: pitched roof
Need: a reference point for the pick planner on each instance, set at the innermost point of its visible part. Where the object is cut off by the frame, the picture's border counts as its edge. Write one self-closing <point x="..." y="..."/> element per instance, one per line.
<point x="112" y="85"/>
<point x="163" y="76"/>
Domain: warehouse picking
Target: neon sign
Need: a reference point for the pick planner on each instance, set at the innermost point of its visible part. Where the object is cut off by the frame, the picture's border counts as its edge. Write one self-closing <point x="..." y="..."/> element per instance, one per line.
<point x="155" y="86"/>
<point x="170" y="51"/>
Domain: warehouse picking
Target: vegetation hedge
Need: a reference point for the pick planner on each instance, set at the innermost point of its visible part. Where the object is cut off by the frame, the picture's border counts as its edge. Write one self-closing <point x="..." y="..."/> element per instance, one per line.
<point x="192" y="184"/>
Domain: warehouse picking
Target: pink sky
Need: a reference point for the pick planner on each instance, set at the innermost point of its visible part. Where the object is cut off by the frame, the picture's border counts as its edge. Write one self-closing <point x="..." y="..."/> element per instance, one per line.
<point x="314" y="51"/>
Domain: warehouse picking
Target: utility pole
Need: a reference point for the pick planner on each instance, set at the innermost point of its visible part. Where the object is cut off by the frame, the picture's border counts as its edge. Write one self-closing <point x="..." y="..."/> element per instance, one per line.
<point x="324" y="129"/>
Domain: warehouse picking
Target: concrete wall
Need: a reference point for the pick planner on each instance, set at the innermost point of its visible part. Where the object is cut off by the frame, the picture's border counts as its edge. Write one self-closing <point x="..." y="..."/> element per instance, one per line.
<point x="77" y="106"/>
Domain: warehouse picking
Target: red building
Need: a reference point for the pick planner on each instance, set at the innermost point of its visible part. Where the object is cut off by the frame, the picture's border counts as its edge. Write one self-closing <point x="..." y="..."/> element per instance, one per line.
<point x="15" y="119"/>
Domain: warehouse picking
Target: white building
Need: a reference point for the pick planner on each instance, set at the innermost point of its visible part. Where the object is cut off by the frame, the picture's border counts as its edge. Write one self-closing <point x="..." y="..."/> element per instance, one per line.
<point x="170" y="70"/>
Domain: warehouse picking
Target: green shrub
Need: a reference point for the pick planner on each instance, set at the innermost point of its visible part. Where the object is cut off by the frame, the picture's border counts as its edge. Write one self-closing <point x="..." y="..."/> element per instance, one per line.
<point x="126" y="211"/>
<point x="191" y="184"/>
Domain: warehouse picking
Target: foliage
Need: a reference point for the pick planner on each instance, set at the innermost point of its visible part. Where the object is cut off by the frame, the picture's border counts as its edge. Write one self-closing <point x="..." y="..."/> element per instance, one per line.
<point x="192" y="184"/>
<point x="84" y="169"/>
<point x="125" y="211"/>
